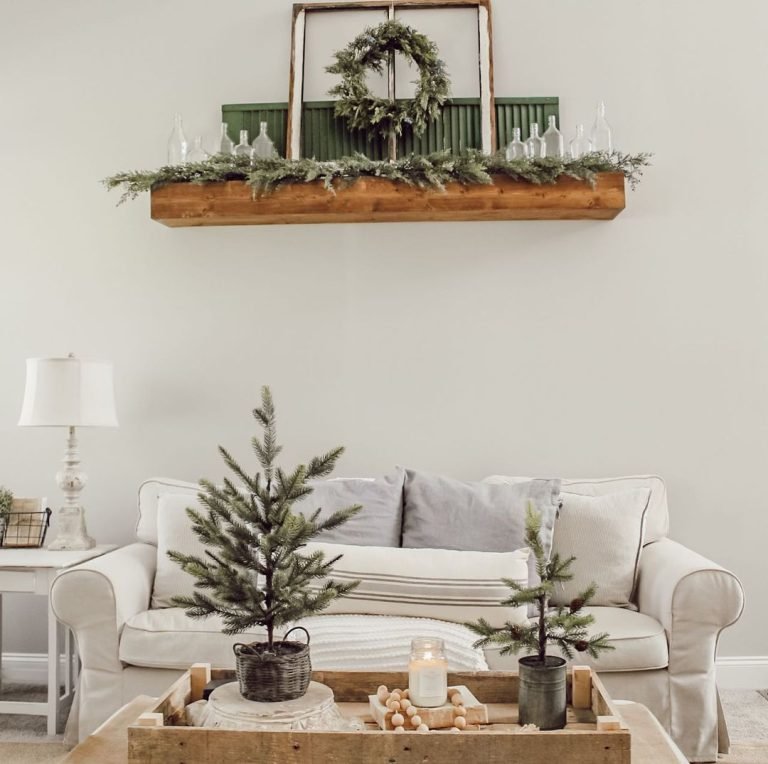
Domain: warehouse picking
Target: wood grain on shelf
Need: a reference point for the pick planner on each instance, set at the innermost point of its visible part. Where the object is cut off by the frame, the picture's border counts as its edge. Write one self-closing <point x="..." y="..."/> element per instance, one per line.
<point x="377" y="200"/>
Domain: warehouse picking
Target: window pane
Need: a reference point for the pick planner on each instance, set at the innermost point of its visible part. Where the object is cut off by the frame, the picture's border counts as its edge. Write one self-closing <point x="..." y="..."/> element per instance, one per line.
<point x="327" y="32"/>
<point x="454" y="31"/>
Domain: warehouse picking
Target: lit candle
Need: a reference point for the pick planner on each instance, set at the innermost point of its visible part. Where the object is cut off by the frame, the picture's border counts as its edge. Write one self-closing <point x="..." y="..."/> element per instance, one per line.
<point x="428" y="673"/>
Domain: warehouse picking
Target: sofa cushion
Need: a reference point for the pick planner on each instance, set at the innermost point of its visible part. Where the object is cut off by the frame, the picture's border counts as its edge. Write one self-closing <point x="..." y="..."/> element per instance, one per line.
<point x="380" y="521"/>
<point x="640" y="642"/>
<point x="150" y="492"/>
<point x="174" y="532"/>
<point x="164" y="521"/>
<point x="443" y="513"/>
<point x="436" y="583"/>
<point x="605" y="535"/>
<point x="167" y="638"/>
<point x="657" y="518"/>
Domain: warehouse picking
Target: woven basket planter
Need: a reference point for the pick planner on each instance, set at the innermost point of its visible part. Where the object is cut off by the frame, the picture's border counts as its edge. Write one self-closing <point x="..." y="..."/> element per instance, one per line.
<point x="271" y="676"/>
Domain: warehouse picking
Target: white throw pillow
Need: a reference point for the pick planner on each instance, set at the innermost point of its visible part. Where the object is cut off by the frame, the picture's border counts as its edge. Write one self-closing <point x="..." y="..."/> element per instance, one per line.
<point x="445" y="584"/>
<point x="174" y="531"/>
<point x="605" y="534"/>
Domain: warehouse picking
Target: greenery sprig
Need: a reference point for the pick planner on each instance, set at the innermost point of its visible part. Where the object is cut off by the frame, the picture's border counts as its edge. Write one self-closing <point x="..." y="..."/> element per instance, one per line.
<point x="425" y="171"/>
<point x="565" y="627"/>
<point x="371" y="51"/>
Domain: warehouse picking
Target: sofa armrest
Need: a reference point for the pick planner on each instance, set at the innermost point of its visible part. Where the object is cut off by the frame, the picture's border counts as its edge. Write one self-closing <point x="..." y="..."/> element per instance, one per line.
<point x="694" y="599"/>
<point x="683" y="590"/>
<point x="106" y="591"/>
<point x="95" y="599"/>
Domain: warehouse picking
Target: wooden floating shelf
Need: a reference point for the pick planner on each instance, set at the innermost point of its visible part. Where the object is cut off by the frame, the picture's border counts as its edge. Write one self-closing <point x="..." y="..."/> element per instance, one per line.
<point x="377" y="200"/>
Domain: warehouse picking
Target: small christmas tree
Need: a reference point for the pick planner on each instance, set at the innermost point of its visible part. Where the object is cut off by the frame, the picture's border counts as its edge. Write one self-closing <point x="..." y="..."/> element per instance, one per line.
<point x="253" y="566"/>
<point x="565" y="627"/>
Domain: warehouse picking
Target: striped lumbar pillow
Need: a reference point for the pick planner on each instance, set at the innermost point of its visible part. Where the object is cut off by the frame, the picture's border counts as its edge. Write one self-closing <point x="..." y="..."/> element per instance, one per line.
<point x="433" y="583"/>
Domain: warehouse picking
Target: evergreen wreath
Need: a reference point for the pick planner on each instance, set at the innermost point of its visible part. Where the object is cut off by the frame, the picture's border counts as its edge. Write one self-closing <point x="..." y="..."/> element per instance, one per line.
<point x="371" y="50"/>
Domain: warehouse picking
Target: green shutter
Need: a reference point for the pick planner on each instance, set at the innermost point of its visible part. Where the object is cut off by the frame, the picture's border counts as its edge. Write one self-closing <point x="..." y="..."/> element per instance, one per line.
<point x="324" y="136"/>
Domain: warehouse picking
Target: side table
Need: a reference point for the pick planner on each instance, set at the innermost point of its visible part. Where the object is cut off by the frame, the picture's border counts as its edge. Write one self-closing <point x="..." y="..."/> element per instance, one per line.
<point x="32" y="571"/>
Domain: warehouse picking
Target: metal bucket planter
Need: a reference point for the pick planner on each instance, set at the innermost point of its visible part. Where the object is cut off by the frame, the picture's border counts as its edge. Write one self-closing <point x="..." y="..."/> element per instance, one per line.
<point x="271" y="676"/>
<point x="541" y="698"/>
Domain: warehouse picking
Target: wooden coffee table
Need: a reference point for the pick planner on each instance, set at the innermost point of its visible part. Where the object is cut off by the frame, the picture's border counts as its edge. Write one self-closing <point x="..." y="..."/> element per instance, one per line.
<point x="109" y="744"/>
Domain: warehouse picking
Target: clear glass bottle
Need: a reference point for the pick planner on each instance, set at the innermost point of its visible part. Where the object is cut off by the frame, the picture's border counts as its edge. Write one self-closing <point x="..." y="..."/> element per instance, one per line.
<point x="602" y="137"/>
<point x="516" y="149"/>
<point x="225" y="145"/>
<point x="554" y="146"/>
<point x="535" y="143"/>
<point x="243" y="149"/>
<point x="197" y="153"/>
<point x="428" y="673"/>
<point x="177" y="143"/>
<point x="580" y="144"/>
<point x="263" y="148"/>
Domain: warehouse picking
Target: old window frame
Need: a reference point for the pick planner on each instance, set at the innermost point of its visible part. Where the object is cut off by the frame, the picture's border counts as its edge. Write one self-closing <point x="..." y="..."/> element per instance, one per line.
<point x="485" y="63"/>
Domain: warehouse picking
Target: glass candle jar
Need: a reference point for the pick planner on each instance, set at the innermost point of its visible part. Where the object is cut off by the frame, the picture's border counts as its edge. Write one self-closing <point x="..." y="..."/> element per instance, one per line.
<point x="428" y="673"/>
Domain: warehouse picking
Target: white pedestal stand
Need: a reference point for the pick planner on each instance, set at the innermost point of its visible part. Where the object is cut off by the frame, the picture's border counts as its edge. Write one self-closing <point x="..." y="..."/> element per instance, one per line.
<point x="228" y="709"/>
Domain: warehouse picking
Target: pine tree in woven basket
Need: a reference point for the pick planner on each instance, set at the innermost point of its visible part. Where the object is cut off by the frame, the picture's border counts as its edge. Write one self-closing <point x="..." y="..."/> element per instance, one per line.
<point x="254" y="572"/>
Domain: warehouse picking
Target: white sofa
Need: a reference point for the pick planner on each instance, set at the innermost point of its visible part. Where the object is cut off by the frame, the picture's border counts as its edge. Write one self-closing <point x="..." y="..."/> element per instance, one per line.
<point x="664" y="656"/>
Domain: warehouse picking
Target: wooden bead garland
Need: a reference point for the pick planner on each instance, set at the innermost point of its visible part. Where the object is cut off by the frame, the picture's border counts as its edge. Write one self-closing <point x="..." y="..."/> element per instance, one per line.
<point x="404" y="712"/>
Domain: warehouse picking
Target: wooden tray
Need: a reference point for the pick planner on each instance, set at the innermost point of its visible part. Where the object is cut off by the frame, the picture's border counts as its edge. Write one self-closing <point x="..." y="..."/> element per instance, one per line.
<point x="595" y="734"/>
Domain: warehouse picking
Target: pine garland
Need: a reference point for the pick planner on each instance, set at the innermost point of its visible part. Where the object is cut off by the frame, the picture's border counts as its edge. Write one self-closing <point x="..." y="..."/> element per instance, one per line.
<point x="371" y="50"/>
<point x="565" y="627"/>
<point x="431" y="171"/>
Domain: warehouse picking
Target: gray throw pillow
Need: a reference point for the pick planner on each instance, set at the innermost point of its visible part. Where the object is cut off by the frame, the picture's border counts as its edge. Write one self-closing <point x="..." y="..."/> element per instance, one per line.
<point x="379" y="523"/>
<point x="442" y="513"/>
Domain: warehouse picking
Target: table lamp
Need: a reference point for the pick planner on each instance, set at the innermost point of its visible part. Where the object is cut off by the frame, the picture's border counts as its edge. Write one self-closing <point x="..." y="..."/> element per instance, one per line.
<point x="69" y="392"/>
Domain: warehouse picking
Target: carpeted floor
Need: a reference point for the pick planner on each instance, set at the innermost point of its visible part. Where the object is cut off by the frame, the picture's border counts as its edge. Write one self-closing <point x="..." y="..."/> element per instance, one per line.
<point x="23" y="739"/>
<point x="747" y="715"/>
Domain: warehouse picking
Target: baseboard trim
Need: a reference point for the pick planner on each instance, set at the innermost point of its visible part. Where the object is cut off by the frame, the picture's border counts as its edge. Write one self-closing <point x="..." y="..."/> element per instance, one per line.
<point x="734" y="672"/>
<point x="742" y="672"/>
<point x="28" y="668"/>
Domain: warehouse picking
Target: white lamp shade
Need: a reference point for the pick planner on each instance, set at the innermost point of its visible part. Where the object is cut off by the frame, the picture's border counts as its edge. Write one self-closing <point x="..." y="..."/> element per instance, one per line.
<point x="68" y="392"/>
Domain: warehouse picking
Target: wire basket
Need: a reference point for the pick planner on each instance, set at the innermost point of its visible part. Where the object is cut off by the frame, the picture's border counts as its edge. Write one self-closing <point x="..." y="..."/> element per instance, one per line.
<point x="24" y="530"/>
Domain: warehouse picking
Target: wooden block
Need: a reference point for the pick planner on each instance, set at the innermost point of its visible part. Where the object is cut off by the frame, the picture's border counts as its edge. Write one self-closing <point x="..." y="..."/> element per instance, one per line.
<point x="581" y="687"/>
<point x="435" y="718"/>
<point x="149" y="719"/>
<point x="608" y="723"/>
<point x="199" y="676"/>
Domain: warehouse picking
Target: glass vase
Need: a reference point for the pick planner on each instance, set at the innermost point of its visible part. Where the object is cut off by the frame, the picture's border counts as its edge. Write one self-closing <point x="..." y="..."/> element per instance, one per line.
<point x="177" y="143"/>
<point x="580" y="145"/>
<point x="535" y="143"/>
<point x="516" y="149"/>
<point x="553" y="140"/>
<point x="602" y="137"/>
<point x="263" y="148"/>
<point x="197" y="153"/>
<point x="243" y="149"/>
<point x="225" y="144"/>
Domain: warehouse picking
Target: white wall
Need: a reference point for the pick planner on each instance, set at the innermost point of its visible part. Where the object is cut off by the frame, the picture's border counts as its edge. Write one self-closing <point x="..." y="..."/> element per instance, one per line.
<point x="551" y="348"/>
